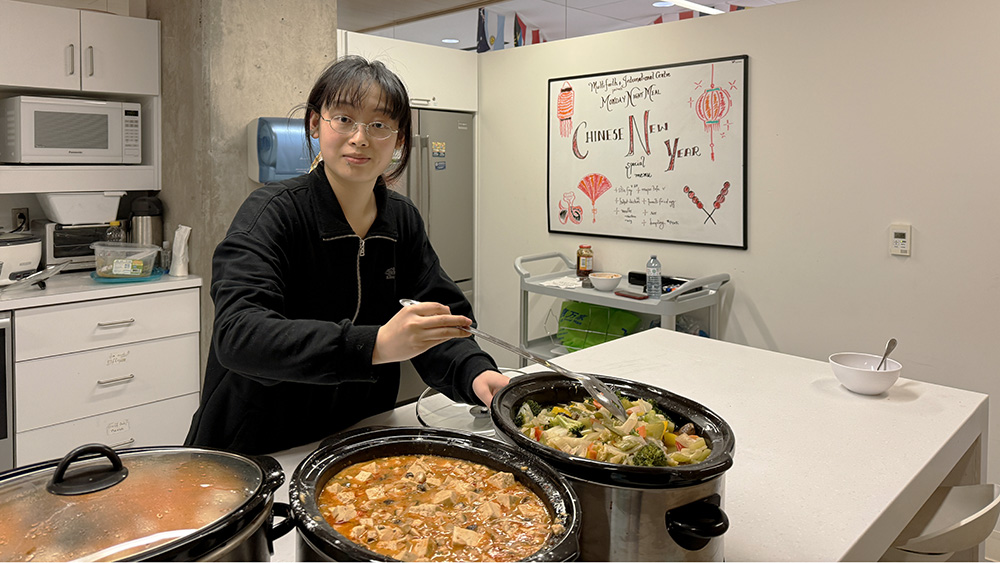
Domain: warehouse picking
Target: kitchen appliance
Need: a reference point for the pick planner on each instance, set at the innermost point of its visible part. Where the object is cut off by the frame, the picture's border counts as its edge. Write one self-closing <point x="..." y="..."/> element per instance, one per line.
<point x="69" y="243"/>
<point x="6" y="395"/>
<point x="634" y="513"/>
<point x="441" y="181"/>
<point x="318" y="541"/>
<point x="20" y="254"/>
<point x="38" y="130"/>
<point x="146" y="224"/>
<point x="157" y="503"/>
<point x="277" y="149"/>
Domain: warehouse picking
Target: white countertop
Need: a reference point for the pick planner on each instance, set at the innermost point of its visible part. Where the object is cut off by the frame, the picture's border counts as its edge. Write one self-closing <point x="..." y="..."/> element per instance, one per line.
<point x="79" y="286"/>
<point x="819" y="473"/>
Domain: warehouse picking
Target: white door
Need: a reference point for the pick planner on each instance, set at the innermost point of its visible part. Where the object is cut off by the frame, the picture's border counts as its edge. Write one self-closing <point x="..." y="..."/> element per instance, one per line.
<point x="39" y="46"/>
<point x="120" y="54"/>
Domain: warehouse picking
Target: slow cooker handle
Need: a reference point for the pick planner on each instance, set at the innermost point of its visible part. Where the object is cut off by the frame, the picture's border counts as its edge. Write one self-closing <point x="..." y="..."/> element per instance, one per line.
<point x="275" y="531"/>
<point x="695" y="523"/>
<point x="274" y="476"/>
<point x="88" y="480"/>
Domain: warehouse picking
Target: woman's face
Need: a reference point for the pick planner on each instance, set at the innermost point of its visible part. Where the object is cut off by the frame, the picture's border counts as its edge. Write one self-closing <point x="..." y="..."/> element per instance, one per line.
<point x="354" y="160"/>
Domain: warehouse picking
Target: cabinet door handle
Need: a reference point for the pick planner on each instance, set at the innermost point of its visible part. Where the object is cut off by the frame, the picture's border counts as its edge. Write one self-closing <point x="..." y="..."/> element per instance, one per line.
<point x="90" y="55"/>
<point x="110" y="324"/>
<point x="128" y="377"/>
<point x="421" y="101"/>
<point x="71" y="59"/>
<point x="128" y="442"/>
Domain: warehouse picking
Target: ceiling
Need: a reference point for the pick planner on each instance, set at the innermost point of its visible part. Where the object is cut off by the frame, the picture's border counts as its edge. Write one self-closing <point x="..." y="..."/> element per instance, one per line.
<point x="430" y="21"/>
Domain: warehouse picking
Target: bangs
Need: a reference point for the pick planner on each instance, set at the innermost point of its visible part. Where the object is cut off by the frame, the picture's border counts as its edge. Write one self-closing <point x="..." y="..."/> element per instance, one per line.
<point x="391" y="101"/>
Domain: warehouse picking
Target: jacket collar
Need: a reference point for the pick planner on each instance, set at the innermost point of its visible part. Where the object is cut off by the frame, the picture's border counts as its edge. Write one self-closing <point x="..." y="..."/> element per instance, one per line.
<point x="330" y="215"/>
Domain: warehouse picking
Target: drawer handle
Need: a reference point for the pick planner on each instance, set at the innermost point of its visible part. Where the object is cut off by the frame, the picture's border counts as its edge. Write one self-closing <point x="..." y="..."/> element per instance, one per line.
<point x="128" y="442"/>
<point x="116" y="379"/>
<point x="115" y="323"/>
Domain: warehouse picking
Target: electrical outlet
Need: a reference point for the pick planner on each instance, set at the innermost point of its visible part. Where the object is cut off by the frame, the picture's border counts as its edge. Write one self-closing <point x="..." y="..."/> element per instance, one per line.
<point x="19" y="217"/>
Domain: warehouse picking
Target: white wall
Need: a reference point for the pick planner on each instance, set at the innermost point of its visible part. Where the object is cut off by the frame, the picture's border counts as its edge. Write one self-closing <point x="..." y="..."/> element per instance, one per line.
<point x="861" y="114"/>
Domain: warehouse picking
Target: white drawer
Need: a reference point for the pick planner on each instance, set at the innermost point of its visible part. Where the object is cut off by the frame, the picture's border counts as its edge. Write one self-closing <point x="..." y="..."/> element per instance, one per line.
<point x="60" y="329"/>
<point x="63" y="388"/>
<point x="164" y="423"/>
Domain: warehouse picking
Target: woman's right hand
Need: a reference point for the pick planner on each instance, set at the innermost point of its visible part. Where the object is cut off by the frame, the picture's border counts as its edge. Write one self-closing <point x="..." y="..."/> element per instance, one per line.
<point x="416" y="329"/>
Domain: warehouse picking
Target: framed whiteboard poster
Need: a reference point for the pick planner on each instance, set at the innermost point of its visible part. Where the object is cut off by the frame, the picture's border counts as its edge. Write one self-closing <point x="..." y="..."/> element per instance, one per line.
<point x="653" y="153"/>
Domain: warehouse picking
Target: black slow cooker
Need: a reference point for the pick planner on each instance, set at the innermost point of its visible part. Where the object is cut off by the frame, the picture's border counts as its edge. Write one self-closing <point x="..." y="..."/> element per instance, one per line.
<point x="157" y="503"/>
<point x="634" y="513"/>
<point x="318" y="541"/>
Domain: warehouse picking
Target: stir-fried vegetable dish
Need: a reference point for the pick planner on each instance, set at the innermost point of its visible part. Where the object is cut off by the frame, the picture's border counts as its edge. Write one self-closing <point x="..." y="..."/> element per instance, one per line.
<point x="585" y="429"/>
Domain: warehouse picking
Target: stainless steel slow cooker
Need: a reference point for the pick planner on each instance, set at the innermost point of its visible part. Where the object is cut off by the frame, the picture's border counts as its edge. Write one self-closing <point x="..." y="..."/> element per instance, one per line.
<point x="318" y="541"/>
<point x="634" y="513"/>
<point x="158" y="503"/>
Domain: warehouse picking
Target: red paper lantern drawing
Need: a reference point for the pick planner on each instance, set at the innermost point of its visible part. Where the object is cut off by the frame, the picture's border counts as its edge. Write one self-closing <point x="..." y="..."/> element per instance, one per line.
<point x="564" y="109"/>
<point x="594" y="185"/>
<point x="712" y="106"/>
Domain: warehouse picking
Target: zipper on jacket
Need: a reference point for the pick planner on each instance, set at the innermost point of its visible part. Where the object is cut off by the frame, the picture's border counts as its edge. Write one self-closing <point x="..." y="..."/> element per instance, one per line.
<point x="357" y="265"/>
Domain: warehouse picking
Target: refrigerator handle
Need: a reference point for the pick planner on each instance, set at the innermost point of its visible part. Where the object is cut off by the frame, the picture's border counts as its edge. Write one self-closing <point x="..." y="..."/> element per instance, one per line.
<point x="413" y="172"/>
<point x="425" y="181"/>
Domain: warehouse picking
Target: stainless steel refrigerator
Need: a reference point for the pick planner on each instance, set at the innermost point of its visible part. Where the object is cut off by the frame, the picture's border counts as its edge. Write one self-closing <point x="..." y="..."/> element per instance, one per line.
<point x="440" y="181"/>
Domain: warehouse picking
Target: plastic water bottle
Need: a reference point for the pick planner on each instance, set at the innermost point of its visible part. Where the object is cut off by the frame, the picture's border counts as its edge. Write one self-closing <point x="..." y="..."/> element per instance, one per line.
<point x="653" y="281"/>
<point x="115" y="233"/>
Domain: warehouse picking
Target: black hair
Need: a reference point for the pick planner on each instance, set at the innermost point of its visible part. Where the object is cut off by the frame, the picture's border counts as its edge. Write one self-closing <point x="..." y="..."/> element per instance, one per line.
<point x="347" y="81"/>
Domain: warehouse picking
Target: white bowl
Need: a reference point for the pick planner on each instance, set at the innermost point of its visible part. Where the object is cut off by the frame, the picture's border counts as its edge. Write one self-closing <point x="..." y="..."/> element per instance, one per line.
<point x="605" y="281"/>
<point x="856" y="371"/>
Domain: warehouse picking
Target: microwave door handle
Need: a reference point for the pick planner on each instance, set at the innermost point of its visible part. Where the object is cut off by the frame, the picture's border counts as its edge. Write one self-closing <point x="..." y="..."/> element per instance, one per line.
<point x="70" y="59"/>
<point x="90" y="56"/>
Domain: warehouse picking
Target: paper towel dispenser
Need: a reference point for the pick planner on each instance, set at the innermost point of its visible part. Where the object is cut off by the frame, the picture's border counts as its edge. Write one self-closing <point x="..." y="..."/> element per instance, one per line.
<point x="277" y="149"/>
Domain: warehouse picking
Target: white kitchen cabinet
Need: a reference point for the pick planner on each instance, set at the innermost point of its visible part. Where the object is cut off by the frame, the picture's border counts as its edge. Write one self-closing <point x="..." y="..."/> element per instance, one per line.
<point x="55" y="51"/>
<point x="65" y="49"/>
<point x="111" y="363"/>
<point x="162" y="423"/>
<point x="436" y="77"/>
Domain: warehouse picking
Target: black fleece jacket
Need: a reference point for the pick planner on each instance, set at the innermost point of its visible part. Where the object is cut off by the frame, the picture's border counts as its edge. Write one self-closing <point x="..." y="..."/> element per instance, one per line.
<point x="299" y="299"/>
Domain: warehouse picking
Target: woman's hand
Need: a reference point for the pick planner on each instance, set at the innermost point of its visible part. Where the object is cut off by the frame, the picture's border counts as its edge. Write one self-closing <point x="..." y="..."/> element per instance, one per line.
<point x="416" y="329"/>
<point x="486" y="384"/>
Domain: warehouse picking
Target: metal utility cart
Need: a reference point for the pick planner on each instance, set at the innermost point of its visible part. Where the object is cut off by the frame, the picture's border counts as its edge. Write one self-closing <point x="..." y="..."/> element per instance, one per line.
<point x="692" y="295"/>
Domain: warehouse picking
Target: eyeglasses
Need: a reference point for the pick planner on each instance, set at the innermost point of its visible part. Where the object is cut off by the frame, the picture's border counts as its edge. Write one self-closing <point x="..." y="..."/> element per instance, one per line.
<point x="347" y="126"/>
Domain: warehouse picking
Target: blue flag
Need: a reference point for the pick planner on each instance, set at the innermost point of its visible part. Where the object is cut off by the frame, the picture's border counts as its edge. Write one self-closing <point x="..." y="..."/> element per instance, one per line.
<point x="489" y="33"/>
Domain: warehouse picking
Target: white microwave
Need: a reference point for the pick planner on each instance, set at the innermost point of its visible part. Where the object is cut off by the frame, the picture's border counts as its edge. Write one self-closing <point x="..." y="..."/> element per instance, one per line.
<point x="42" y="130"/>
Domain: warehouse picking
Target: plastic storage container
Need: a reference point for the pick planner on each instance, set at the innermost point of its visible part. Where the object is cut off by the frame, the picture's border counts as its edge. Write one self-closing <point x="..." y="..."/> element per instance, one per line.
<point x="124" y="260"/>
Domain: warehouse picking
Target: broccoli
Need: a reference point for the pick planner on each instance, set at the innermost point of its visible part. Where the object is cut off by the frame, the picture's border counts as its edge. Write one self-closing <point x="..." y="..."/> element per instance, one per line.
<point x="575" y="428"/>
<point x="650" y="455"/>
<point x="532" y="406"/>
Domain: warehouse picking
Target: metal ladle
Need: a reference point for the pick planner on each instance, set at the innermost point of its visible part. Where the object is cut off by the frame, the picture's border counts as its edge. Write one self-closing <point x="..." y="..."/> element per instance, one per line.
<point x="595" y="387"/>
<point x="889" y="347"/>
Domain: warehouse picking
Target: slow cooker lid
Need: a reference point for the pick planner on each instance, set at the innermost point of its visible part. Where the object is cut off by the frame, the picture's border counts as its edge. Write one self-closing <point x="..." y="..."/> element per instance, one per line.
<point x="167" y="494"/>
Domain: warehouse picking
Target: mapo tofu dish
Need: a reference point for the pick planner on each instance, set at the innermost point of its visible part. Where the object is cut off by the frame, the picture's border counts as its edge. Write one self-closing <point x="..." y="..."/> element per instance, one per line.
<point x="434" y="508"/>
<point x="586" y="429"/>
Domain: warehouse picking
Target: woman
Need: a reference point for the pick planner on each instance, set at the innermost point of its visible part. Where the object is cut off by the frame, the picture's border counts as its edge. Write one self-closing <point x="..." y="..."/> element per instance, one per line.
<point x="309" y="331"/>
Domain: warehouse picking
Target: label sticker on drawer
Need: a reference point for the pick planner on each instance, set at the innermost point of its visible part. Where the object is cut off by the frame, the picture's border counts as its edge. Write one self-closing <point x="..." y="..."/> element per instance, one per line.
<point x="117" y="427"/>
<point x="125" y="267"/>
<point x="115" y="358"/>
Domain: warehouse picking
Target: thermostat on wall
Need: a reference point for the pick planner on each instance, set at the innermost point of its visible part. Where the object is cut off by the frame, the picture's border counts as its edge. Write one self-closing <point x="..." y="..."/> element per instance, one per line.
<point x="899" y="240"/>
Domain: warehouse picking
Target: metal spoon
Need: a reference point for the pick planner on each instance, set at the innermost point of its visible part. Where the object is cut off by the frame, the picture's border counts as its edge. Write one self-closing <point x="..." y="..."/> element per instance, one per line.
<point x="889" y="347"/>
<point x="595" y="387"/>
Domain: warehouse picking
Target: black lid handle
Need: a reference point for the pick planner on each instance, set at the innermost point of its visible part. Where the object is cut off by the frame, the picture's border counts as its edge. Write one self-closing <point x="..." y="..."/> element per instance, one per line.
<point x="91" y="479"/>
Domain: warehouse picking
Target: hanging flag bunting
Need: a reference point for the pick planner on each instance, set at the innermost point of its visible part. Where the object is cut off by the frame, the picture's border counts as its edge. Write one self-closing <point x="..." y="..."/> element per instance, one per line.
<point x="524" y="34"/>
<point x="489" y="33"/>
<point x="676" y="16"/>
